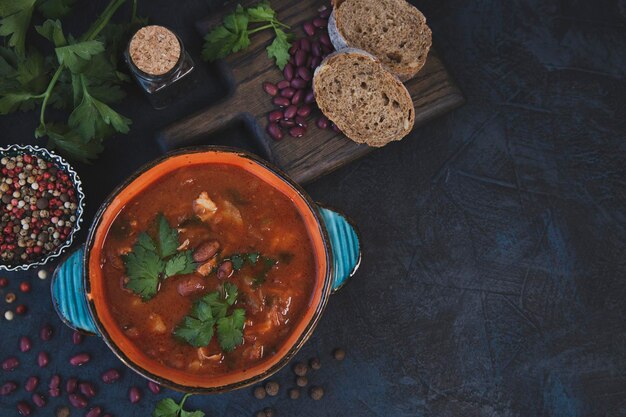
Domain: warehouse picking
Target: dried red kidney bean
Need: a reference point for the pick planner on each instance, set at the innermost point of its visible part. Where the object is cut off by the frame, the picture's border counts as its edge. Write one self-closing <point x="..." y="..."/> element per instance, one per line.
<point x="54" y="392"/>
<point x="225" y="270"/>
<point x="206" y="251"/>
<point x="289" y="72"/>
<point x="287" y="123"/>
<point x="3" y="282"/>
<point x="318" y="22"/>
<point x="281" y="101"/>
<point x="297" y="97"/>
<point x="8" y="388"/>
<point x="39" y="400"/>
<point x="134" y="395"/>
<point x="25" y="344"/>
<point x="21" y="309"/>
<point x="309" y="97"/>
<point x="305" y="110"/>
<point x="324" y="14"/>
<point x="315" y="62"/>
<point x="46" y="333"/>
<point x="71" y="385"/>
<point x="301" y="121"/>
<point x="77" y="338"/>
<point x="154" y="387"/>
<point x="304" y="73"/>
<point x="316" y="49"/>
<point x="282" y="84"/>
<point x="43" y="359"/>
<point x="297" y="132"/>
<point x="10" y="364"/>
<point x="300" y="58"/>
<point x="275" y="116"/>
<point x="80" y="359"/>
<point x="24" y="408"/>
<point x="287" y="92"/>
<point x="77" y="400"/>
<point x="325" y="40"/>
<point x="94" y="412"/>
<point x="298" y="83"/>
<point x="270" y="88"/>
<point x="87" y="389"/>
<point x="274" y="131"/>
<point x="309" y="29"/>
<point x="31" y="383"/>
<point x="322" y="122"/>
<point x="290" y="112"/>
<point x="110" y="376"/>
<point x="55" y="382"/>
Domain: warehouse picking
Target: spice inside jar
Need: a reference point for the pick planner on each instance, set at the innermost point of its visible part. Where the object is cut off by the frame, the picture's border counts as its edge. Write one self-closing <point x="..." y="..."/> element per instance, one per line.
<point x="155" y="50"/>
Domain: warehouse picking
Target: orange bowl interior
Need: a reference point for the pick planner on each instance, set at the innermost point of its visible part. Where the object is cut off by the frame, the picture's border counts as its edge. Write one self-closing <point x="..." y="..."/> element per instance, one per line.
<point x="124" y="347"/>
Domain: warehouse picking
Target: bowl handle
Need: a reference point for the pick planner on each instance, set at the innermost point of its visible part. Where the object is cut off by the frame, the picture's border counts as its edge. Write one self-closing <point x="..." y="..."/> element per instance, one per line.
<point x="345" y="245"/>
<point x="68" y="293"/>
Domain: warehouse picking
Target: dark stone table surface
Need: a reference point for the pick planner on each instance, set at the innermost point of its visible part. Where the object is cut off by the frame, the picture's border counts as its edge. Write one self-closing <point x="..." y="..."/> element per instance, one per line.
<point x="493" y="280"/>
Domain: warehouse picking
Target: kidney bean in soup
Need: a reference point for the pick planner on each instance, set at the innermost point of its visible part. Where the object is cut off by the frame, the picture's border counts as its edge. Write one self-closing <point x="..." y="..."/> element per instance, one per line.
<point x="232" y="213"/>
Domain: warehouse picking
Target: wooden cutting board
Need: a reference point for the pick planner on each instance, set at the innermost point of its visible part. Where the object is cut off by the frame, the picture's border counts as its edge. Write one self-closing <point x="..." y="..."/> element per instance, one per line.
<point x="318" y="152"/>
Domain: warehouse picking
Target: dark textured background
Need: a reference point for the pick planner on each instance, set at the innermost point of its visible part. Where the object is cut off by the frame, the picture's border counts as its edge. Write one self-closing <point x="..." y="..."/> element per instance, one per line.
<point x="494" y="272"/>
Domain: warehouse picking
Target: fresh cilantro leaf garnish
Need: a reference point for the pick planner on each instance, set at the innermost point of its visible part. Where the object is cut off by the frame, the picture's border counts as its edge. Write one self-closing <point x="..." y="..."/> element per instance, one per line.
<point x="234" y="34"/>
<point x="81" y="78"/>
<point x="198" y="328"/>
<point x="240" y="259"/>
<point x="169" y="408"/>
<point x="147" y="263"/>
<point x="237" y="261"/>
<point x="230" y="329"/>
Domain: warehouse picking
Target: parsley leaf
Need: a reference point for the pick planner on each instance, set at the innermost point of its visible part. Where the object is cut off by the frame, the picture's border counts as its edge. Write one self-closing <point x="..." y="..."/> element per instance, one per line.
<point x="146" y="266"/>
<point x="230" y="329"/>
<point x="75" y="56"/>
<point x="169" y="408"/>
<point x="179" y="264"/>
<point x="53" y="31"/>
<point x="16" y="15"/>
<point x="234" y="34"/>
<point x="279" y="48"/>
<point x="198" y="327"/>
<point x="168" y="237"/>
<point x="237" y="261"/>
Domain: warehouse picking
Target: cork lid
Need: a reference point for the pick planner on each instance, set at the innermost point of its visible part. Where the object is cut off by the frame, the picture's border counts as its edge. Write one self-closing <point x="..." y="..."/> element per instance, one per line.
<point x="154" y="49"/>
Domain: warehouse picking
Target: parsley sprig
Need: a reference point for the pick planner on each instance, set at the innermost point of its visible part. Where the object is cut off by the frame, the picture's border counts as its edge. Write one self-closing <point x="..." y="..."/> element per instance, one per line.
<point x="169" y="408"/>
<point x="253" y="258"/>
<point x="234" y="34"/>
<point x="198" y="328"/>
<point x="81" y="76"/>
<point x="150" y="262"/>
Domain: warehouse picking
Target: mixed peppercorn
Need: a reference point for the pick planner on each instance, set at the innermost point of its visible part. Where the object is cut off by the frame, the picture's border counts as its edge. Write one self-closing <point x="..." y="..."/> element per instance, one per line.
<point x="38" y="210"/>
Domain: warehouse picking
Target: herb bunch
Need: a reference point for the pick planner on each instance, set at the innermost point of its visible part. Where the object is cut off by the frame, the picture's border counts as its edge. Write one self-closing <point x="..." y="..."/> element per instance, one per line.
<point x="150" y="262"/>
<point x="80" y="77"/>
<point x="212" y="311"/>
<point x="234" y="34"/>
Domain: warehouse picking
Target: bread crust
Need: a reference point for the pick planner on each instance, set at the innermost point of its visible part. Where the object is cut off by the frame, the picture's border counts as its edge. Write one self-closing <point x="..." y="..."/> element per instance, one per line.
<point x="344" y="118"/>
<point x="403" y="72"/>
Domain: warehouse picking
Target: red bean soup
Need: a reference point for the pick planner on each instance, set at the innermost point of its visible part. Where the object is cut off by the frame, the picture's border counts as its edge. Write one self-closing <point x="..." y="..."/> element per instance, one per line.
<point x="208" y="270"/>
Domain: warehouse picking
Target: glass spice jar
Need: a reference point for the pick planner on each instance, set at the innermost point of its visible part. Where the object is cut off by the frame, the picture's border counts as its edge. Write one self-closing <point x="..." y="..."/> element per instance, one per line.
<point x="159" y="63"/>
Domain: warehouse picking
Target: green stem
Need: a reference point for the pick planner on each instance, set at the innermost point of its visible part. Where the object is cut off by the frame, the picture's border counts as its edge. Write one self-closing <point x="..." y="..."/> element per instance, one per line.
<point x="133" y="16"/>
<point x="182" y="402"/>
<point x="103" y="20"/>
<point x="260" y="29"/>
<point x="282" y="24"/>
<point x="48" y="93"/>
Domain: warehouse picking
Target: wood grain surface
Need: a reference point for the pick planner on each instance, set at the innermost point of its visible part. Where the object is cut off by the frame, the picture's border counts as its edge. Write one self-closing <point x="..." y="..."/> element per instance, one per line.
<point x="319" y="151"/>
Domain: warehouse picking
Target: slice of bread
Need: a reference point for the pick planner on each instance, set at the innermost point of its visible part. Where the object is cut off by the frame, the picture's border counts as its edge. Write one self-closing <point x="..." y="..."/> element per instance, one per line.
<point x="366" y="102"/>
<point x="392" y="30"/>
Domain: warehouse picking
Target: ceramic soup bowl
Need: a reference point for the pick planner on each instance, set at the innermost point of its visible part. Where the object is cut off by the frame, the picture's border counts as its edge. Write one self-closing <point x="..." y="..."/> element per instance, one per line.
<point x="78" y="290"/>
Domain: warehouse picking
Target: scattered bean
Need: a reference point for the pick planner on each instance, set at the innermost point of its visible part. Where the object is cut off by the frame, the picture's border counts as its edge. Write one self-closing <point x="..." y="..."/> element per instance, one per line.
<point x="94" y="412"/>
<point x="281" y="101"/>
<point x="42" y="274"/>
<point x="24" y="286"/>
<point x="77" y="400"/>
<point x="46" y="333"/>
<point x="298" y="83"/>
<point x="7" y="388"/>
<point x="9" y="315"/>
<point x="55" y="382"/>
<point x="289" y="72"/>
<point x="315" y="363"/>
<point x="318" y="22"/>
<point x="225" y="270"/>
<point x="287" y="123"/>
<point x="316" y="393"/>
<point x="275" y="116"/>
<point x="259" y="393"/>
<point x="110" y="376"/>
<point x="21" y="309"/>
<point x="39" y="400"/>
<point x="9" y="298"/>
<point x="71" y="385"/>
<point x="80" y="359"/>
<point x="87" y="389"/>
<point x="24" y="408"/>
<point x="25" y="344"/>
<point x="309" y="29"/>
<point x="272" y="388"/>
<point x="275" y="131"/>
<point x="297" y="132"/>
<point x="62" y="412"/>
<point x="304" y="73"/>
<point x="77" y="338"/>
<point x="31" y="383"/>
<point x="282" y="84"/>
<point x="269" y="412"/>
<point x="154" y="387"/>
<point x="3" y="282"/>
<point x="10" y="364"/>
<point x="134" y="395"/>
<point x="43" y="359"/>
<point x="290" y="112"/>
